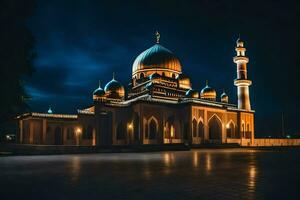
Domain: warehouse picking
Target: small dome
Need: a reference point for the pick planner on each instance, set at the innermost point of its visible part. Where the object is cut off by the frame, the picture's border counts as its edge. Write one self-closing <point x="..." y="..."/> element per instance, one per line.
<point x="208" y="93"/>
<point x="192" y="93"/>
<point x="99" y="92"/>
<point x="224" y="97"/>
<point x="154" y="75"/>
<point x="114" y="89"/>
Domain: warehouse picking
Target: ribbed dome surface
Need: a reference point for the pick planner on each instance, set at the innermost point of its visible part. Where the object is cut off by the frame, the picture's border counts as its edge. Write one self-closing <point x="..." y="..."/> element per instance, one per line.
<point x="158" y="57"/>
<point x="208" y="93"/>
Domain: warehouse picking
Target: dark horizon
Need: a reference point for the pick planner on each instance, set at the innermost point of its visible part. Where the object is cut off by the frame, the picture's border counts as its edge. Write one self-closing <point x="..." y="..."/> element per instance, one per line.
<point x="79" y="43"/>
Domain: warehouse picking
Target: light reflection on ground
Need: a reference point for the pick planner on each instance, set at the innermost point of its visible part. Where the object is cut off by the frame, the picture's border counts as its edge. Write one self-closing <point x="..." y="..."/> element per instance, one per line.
<point x="197" y="174"/>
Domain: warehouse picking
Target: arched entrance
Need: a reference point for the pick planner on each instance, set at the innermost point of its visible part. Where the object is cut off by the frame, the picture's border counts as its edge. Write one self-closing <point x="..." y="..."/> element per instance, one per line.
<point x="152" y="129"/>
<point x="215" y="129"/>
<point x="230" y="130"/>
<point x="201" y="130"/>
<point x="194" y="127"/>
<point x="58" y="138"/>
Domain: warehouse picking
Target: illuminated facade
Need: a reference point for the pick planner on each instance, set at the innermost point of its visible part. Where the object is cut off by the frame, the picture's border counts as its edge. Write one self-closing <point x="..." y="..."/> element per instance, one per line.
<point x="158" y="107"/>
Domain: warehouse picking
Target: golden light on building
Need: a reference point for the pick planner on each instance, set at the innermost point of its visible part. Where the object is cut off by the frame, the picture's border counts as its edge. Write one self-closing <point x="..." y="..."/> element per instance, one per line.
<point x="172" y="132"/>
<point x="228" y="126"/>
<point x="158" y="107"/>
<point x="78" y="131"/>
<point x="130" y="126"/>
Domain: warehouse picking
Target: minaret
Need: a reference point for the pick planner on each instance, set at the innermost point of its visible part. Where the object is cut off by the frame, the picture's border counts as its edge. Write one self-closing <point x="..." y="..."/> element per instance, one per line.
<point x="241" y="82"/>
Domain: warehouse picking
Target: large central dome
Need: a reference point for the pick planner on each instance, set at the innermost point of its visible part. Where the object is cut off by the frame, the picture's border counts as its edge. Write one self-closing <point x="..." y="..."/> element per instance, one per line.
<point x="156" y="59"/>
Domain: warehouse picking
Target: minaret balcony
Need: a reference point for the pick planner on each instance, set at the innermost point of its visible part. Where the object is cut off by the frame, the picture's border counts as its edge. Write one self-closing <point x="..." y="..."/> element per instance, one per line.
<point x="238" y="59"/>
<point x="242" y="82"/>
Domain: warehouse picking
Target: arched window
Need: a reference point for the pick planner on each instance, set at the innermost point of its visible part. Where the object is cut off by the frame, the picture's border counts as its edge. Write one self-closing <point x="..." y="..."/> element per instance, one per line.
<point x="48" y="135"/>
<point x="201" y="129"/>
<point x="248" y="132"/>
<point x="136" y="127"/>
<point x="173" y="75"/>
<point x="215" y="128"/>
<point x="230" y="130"/>
<point x="152" y="129"/>
<point x="243" y="130"/>
<point x="142" y="75"/>
<point x="163" y="74"/>
<point x="70" y="133"/>
<point x="194" y="127"/>
<point x="89" y="133"/>
<point x="58" y="137"/>
<point x="121" y="131"/>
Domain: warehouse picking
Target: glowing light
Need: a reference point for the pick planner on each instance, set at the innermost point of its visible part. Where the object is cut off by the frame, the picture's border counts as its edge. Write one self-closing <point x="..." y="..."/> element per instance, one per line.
<point x="130" y="126"/>
<point x="172" y="132"/>
<point x="208" y="162"/>
<point x="228" y="126"/>
<point x="195" y="159"/>
<point x="78" y="130"/>
<point x="252" y="177"/>
<point x="167" y="158"/>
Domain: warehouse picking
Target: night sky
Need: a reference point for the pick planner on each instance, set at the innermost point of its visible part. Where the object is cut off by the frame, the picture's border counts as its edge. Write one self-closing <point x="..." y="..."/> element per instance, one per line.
<point x="81" y="42"/>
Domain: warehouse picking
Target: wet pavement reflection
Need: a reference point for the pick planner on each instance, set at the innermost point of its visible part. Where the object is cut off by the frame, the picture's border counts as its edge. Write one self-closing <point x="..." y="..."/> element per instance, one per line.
<point x="197" y="174"/>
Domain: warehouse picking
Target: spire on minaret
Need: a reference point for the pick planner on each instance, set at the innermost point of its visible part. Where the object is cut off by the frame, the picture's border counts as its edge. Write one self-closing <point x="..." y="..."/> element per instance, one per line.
<point x="157" y="35"/>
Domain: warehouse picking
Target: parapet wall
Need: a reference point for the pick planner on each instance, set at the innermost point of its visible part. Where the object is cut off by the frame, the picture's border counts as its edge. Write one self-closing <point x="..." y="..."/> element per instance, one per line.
<point x="265" y="142"/>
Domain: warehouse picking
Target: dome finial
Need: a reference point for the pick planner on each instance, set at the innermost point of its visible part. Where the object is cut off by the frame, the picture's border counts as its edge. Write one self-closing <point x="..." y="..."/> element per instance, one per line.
<point x="206" y="82"/>
<point x="99" y="84"/>
<point x="49" y="110"/>
<point x="113" y="76"/>
<point x="157" y="37"/>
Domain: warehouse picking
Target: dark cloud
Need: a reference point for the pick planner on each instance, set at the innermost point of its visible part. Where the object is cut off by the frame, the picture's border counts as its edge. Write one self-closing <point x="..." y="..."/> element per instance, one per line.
<point x="80" y="42"/>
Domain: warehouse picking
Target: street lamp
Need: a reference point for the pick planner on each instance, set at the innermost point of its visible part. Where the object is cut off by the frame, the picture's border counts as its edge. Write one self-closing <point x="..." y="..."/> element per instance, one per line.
<point x="78" y="132"/>
<point x="130" y="126"/>
<point x="130" y="131"/>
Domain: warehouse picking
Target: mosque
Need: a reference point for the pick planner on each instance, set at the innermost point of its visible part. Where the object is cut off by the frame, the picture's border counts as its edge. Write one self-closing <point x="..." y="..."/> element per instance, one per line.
<point x="159" y="106"/>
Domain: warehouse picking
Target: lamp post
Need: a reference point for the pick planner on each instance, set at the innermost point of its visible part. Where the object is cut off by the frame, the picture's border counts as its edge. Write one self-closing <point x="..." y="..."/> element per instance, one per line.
<point x="129" y="129"/>
<point x="78" y="132"/>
